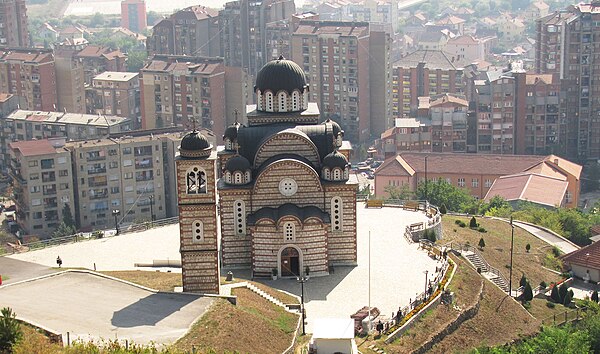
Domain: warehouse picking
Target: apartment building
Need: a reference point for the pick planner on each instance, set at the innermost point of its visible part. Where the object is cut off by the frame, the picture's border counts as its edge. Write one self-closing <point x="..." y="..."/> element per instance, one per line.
<point x="133" y="15"/>
<point x="448" y="116"/>
<point x="42" y="184"/>
<point x="478" y="172"/>
<point x="193" y="31"/>
<point x="566" y="44"/>
<point x="29" y="73"/>
<point x="70" y="84"/>
<point x="115" y="93"/>
<point x="13" y="24"/>
<point x="24" y="125"/>
<point x="347" y="65"/>
<point x="360" y="11"/>
<point x="408" y="134"/>
<point x="243" y="26"/>
<point x="184" y="91"/>
<point x="424" y="73"/>
<point x="98" y="59"/>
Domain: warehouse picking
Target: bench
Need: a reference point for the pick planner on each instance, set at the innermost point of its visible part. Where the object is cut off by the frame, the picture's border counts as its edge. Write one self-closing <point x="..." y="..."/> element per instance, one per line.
<point x="411" y="204"/>
<point x="374" y="203"/>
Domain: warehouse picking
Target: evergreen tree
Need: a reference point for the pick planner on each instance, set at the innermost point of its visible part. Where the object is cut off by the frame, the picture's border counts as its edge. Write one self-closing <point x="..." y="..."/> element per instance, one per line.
<point x="473" y="223"/>
<point x="10" y="330"/>
<point x="67" y="217"/>
<point x="523" y="281"/>
<point x="527" y="247"/>
<point x="527" y="292"/>
<point x="567" y="299"/>
<point x="554" y="295"/>
<point x="481" y="243"/>
<point x="563" y="290"/>
<point x="443" y="209"/>
<point x="595" y="296"/>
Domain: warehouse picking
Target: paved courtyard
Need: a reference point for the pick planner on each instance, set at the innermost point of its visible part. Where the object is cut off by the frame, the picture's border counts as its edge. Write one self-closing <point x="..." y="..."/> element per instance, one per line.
<point x="397" y="267"/>
<point x="93" y="307"/>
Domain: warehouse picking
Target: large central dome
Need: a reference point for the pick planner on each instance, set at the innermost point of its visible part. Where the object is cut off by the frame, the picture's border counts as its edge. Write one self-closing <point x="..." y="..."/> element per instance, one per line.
<point x="281" y="74"/>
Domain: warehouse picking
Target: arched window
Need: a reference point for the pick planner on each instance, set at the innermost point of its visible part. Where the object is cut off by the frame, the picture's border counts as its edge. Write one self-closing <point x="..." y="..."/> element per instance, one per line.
<point x="289" y="231"/>
<point x="228" y="177"/>
<point x="237" y="177"/>
<point x="269" y="103"/>
<point x="326" y="174"/>
<point x="197" y="231"/>
<point x="336" y="174"/>
<point x="248" y="176"/>
<point x="239" y="212"/>
<point x="336" y="214"/>
<point x="259" y="100"/>
<point x="195" y="180"/>
<point x="295" y="100"/>
<point x="282" y="102"/>
<point x="346" y="173"/>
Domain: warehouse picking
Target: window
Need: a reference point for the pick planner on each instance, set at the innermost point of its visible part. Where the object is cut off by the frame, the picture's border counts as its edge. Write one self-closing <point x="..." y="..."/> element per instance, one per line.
<point x="475" y="182"/>
<point x="197" y="231"/>
<point x="34" y="176"/>
<point x="239" y="210"/>
<point x="63" y="173"/>
<point x="61" y="160"/>
<point x="488" y="183"/>
<point x="127" y="150"/>
<point x="461" y="182"/>
<point x="288" y="231"/>
<point x="195" y="180"/>
<point x="336" y="214"/>
<point x="568" y="197"/>
<point x="33" y="163"/>
<point x="34" y="189"/>
<point x="128" y="175"/>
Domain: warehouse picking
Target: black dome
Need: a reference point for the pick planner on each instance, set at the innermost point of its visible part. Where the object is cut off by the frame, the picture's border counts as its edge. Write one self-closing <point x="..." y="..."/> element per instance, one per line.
<point x="336" y="127"/>
<point x="193" y="141"/>
<point x="281" y="74"/>
<point x="232" y="131"/>
<point x="237" y="163"/>
<point x="335" y="159"/>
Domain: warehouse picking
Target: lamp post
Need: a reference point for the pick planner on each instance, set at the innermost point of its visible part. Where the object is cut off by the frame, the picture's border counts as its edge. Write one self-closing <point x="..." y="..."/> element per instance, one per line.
<point x="512" y="240"/>
<point x="426" y="183"/>
<point x="152" y="208"/>
<point x="116" y="213"/>
<point x="303" y="279"/>
<point x="426" y="281"/>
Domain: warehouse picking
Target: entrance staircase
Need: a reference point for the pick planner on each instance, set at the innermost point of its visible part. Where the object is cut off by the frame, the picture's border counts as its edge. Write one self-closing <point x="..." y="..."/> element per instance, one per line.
<point x="490" y="273"/>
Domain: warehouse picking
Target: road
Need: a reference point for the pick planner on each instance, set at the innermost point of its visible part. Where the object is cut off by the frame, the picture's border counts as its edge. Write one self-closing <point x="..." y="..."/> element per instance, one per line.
<point x="14" y="270"/>
<point x="560" y="243"/>
<point x="89" y="306"/>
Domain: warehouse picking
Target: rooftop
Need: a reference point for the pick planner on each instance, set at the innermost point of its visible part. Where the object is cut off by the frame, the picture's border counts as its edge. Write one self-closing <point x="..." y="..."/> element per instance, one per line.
<point x="531" y="187"/>
<point x="67" y="118"/>
<point x="34" y="147"/>
<point x="349" y="29"/>
<point x="588" y="256"/>
<point x="116" y="76"/>
<point x="432" y="59"/>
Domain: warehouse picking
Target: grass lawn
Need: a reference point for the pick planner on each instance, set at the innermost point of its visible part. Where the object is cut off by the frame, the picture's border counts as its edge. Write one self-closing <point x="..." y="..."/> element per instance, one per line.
<point x="465" y="286"/>
<point x="542" y="312"/>
<point x="497" y="248"/>
<point x="161" y="281"/>
<point x="254" y="325"/>
<point x="498" y="321"/>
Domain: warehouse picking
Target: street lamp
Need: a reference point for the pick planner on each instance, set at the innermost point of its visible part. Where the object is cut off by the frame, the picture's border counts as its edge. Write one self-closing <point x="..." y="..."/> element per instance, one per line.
<point x="426" y="282"/>
<point x="116" y="213"/>
<point x="426" y="183"/>
<point x="151" y="208"/>
<point x="512" y="240"/>
<point x="303" y="279"/>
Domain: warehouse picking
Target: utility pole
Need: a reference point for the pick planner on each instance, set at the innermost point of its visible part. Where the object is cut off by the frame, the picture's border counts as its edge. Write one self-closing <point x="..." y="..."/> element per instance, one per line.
<point x="512" y="242"/>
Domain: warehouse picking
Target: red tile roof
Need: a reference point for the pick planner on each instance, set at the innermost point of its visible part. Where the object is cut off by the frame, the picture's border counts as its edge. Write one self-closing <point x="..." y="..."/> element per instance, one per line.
<point x="588" y="256"/>
<point x="33" y="147"/>
<point x="531" y="187"/>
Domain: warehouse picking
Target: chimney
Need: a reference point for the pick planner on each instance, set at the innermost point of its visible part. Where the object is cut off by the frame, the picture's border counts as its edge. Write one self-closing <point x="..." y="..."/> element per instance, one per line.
<point x="556" y="162"/>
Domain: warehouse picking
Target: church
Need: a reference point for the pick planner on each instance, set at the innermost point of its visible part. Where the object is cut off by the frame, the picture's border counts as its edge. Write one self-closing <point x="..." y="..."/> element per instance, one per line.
<point x="278" y="199"/>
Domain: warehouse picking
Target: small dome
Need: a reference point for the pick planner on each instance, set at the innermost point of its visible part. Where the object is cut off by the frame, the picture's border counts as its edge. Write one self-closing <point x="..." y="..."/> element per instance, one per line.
<point x="232" y="131"/>
<point x="336" y="127"/>
<point x="194" y="144"/>
<point x="335" y="159"/>
<point x="281" y="74"/>
<point x="237" y="163"/>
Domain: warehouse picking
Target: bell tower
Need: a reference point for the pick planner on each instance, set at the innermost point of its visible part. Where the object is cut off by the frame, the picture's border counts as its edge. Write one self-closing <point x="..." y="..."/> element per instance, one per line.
<point x="196" y="198"/>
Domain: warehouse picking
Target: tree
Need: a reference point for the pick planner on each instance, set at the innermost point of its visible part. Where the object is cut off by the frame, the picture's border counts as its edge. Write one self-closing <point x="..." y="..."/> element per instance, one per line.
<point x="563" y="290"/>
<point x="523" y="281"/>
<point x="135" y="60"/>
<point x="97" y="20"/>
<point x="527" y="247"/>
<point x="473" y="223"/>
<point x="10" y="330"/>
<point x="527" y="292"/>
<point x="67" y="217"/>
<point x="481" y="243"/>
<point x="595" y="296"/>
<point x="443" y="209"/>
<point x="64" y="230"/>
<point x="554" y="295"/>
<point x="567" y="299"/>
<point x="440" y="192"/>
<point x="398" y="192"/>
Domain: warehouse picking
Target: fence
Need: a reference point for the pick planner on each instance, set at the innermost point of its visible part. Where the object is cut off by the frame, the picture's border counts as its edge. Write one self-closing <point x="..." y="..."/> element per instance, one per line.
<point x="562" y="318"/>
<point x="123" y="229"/>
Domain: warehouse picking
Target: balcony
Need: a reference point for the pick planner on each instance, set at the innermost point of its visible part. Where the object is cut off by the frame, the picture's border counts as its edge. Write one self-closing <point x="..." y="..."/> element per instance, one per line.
<point x="91" y="157"/>
<point x="145" y="163"/>
<point x="49" y="191"/>
<point x="92" y="171"/>
<point x="98" y="196"/>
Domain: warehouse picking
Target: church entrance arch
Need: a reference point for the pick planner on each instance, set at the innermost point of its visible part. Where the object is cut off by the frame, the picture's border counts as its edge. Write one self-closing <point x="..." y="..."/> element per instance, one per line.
<point x="290" y="262"/>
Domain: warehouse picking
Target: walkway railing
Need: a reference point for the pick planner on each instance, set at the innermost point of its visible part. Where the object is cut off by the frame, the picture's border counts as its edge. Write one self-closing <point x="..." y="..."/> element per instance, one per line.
<point x="562" y="318"/>
<point x="84" y="236"/>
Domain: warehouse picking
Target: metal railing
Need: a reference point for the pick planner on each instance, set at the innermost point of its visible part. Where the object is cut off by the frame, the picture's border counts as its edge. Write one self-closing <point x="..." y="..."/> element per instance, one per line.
<point x="562" y="318"/>
<point x="84" y="236"/>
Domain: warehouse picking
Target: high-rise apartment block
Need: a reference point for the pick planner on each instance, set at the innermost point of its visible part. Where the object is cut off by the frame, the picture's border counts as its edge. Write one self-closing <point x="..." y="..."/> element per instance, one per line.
<point x="448" y="123"/>
<point x="42" y="184"/>
<point x="567" y="45"/>
<point x="98" y="59"/>
<point x="29" y="73"/>
<point x="193" y="31"/>
<point x="133" y="15"/>
<point x="115" y="93"/>
<point x="243" y="26"/>
<point x="183" y="91"/>
<point x="424" y="73"/>
<point x="13" y="23"/>
<point x="347" y="64"/>
<point x="70" y="85"/>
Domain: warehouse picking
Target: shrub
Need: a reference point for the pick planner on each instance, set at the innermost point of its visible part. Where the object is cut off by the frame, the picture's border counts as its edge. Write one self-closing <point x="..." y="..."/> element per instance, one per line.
<point x="482" y="229"/>
<point x="481" y="243"/>
<point x="527" y="247"/>
<point x="462" y="224"/>
<point x="543" y="284"/>
<point x="457" y="222"/>
<point x="554" y="295"/>
<point x="568" y="299"/>
<point x="473" y="223"/>
<point x="550" y="304"/>
<point x="10" y="330"/>
<point x="527" y="305"/>
<point x="595" y="296"/>
<point x="527" y="293"/>
<point x="555" y="251"/>
<point x="563" y="290"/>
<point x="523" y="281"/>
<point x="443" y="209"/>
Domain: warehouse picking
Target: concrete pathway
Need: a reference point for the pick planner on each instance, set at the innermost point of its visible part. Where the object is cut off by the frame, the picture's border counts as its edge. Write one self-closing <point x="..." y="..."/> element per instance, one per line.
<point x="89" y="306"/>
<point x="562" y="244"/>
<point x="14" y="270"/>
